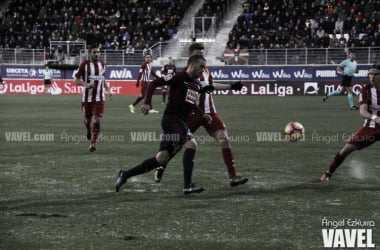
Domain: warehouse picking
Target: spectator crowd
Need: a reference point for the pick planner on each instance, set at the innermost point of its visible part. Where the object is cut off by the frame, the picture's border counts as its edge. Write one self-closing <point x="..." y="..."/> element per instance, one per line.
<point x="112" y="24"/>
<point x="272" y="24"/>
<point x="138" y="24"/>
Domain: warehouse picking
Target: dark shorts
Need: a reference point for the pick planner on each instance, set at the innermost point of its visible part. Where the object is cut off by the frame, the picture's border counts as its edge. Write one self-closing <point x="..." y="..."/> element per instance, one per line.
<point x="175" y="133"/>
<point x="144" y="86"/>
<point x="47" y="81"/>
<point x="195" y="121"/>
<point x="346" y="81"/>
<point x="365" y="137"/>
<point x="90" y="109"/>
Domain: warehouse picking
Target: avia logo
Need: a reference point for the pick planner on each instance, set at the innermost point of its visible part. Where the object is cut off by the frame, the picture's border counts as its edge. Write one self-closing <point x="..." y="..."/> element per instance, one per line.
<point x="282" y="74"/>
<point x="125" y="73"/>
<point x="311" y="88"/>
<point x="260" y="74"/>
<point x="219" y="74"/>
<point x="239" y="74"/>
<point x="302" y="74"/>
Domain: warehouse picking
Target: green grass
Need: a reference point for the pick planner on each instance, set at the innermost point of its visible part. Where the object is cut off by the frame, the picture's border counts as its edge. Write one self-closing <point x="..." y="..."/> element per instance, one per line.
<point x="57" y="195"/>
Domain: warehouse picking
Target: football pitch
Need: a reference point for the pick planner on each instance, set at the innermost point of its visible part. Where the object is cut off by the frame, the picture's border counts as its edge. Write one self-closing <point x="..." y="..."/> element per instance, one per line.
<point x="54" y="194"/>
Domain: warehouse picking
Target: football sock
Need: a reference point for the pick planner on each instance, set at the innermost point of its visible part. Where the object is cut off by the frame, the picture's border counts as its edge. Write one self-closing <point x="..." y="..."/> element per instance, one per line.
<point x="338" y="159"/>
<point x="229" y="161"/>
<point x="164" y="97"/>
<point x="334" y="93"/>
<point x="188" y="165"/>
<point x="95" y="132"/>
<point x="145" y="166"/>
<point x="87" y="124"/>
<point x="138" y="99"/>
<point x="350" y="100"/>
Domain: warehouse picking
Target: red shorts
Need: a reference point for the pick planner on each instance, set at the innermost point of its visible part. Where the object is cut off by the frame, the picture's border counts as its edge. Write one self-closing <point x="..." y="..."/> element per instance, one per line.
<point x="194" y="121"/>
<point x="365" y="137"/>
<point x="90" y="109"/>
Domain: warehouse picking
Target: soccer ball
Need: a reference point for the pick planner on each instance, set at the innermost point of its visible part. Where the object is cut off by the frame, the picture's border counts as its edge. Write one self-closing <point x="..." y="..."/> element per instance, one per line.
<point x="294" y="131"/>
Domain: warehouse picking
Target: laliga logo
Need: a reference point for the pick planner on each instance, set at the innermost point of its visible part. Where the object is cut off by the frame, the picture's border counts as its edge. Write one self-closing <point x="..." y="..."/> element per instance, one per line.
<point x="3" y="88"/>
<point x="311" y="88"/>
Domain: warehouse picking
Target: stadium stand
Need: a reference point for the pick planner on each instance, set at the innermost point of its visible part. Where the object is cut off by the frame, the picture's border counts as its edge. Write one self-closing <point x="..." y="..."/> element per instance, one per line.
<point x="271" y="24"/>
<point x="113" y="24"/>
<point x="125" y="28"/>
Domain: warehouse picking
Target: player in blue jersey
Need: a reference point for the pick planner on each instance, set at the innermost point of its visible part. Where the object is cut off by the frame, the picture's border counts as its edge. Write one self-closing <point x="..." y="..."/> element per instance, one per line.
<point x="184" y="90"/>
<point x="346" y="68"/>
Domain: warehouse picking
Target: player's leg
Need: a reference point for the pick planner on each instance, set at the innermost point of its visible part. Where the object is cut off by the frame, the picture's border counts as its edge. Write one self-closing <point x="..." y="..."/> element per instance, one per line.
<point x="193" y="122"/>
<point x="145" y="166"/>
<point x="350" y="98"/>
<point x="188" y="166"/>
<point x="164" y="91"/>
<point x="336" y="92"/>
<point x="338" y="160"/>
<point x="175" y="135"/>
<point x="217" y="129"/>
<point x="87" y="115"/>
<point x="363" y="138"/>
<point x="138" y="99"/>
<point x="97" y="114"/>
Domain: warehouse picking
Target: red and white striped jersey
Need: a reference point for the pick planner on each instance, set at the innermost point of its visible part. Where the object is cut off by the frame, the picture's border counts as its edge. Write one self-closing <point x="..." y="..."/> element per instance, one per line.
<point x="145" y="72"/>
<point x="205" y="101"/>
<point x="91" y="72"/>
<point x="371" y="96"/>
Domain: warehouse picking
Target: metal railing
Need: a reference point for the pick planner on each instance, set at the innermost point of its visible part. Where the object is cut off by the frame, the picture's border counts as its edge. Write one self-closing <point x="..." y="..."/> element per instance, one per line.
<point x="305" y="56"/>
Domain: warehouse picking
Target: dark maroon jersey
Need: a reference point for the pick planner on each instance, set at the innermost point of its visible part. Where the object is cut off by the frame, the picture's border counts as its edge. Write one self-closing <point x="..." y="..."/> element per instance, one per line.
<point x="168" y="69"/>
<point x="183" y="94"/>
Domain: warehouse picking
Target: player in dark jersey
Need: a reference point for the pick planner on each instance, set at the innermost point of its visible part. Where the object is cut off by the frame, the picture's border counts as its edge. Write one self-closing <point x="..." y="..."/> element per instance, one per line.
<point x="369" y="133"/>
<point x="184" y="91"/>
<point x="217" y="128"/>
<point x="168" y="68"/>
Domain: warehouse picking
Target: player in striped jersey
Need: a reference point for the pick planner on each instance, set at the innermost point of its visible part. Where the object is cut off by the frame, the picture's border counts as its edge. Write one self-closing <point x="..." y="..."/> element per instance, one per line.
<point x="369" y="133"/>
<point x="143" y="79"/>
<point x="90" y="75"/>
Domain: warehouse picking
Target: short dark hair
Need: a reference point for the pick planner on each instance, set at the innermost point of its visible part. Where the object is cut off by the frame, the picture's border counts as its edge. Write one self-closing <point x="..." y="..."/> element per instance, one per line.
<point x="196" y="46"/>
<point x="195" y="58"/>
<point x="375" y="66"/>
<point x="94" y="46"/>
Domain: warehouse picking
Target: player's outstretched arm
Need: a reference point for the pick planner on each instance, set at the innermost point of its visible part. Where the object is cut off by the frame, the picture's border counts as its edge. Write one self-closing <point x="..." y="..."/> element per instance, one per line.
<point x="223" y="86"/>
